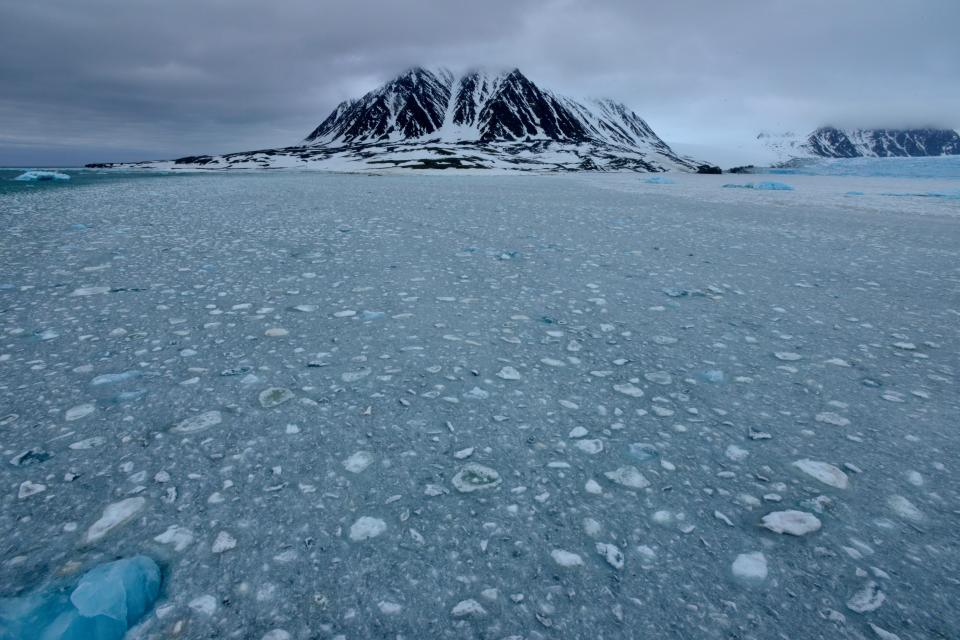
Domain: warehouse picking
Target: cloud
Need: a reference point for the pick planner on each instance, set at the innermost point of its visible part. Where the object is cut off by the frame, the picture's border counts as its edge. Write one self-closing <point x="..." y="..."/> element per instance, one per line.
<point x="109" y="78"/>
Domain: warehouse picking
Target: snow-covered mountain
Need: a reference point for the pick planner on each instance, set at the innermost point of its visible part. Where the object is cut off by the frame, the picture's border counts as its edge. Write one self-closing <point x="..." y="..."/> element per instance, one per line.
<point x="435" y="119"/>
<point x="831" y="142"/>
<point x="834" y="142"/>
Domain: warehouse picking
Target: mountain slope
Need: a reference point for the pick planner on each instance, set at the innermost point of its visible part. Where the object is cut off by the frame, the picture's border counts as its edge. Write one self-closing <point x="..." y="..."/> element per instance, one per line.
<point x="434" y="119"/>
<point x="833" y="142"/>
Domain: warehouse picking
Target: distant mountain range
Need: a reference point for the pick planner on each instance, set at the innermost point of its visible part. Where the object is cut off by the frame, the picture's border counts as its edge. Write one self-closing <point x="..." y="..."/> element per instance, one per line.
<point x="435" y="119"/>
<point x="833" y="142"/>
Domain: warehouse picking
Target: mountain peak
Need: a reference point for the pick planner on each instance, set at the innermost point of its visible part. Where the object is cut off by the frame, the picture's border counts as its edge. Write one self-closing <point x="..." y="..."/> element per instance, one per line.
<point x="479" y="119"/>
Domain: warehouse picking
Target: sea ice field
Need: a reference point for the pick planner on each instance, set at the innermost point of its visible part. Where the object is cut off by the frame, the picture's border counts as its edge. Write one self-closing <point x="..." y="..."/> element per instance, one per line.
<point x="502" y="407"/>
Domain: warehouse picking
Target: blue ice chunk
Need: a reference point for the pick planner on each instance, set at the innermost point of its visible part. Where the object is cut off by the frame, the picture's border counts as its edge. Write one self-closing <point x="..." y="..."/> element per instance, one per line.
<point x="373" y="315"/>
<point x="855" y="193"/>
<point x="108" y="600"/>
<point x="659" y="180"/>
<point x="643" y="452"/>
<point x="34" y="176"/>
<point x="761" y="186"/>
<point x="122" y="590"/>
<point x="773" y="186"/>
<point x="712" y="375"/>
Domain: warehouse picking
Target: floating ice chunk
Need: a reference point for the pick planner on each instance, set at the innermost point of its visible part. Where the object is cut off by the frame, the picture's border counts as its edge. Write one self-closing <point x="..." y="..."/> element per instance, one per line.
<point x="735" y="453"/>
<point x="114" y="378"/>
<point x="714" y="376"/>
<point x="566" y="558"/>
<point x="108" y="600"/>
<point x="224" y="542"/>
<point x="750" y="567"/>
<point x="611" y="553"/>
<point x="577" y="432"/>
<point x="388" y="608"/>
<point x="277" y="634"/>
<point x="508" y="373"/>
<point x="837" y="362"/>
<point x="868" y="598"/>
<point x="643" y="452"/>
<point x="276" y="332"/>
<point x="122" y="590"/>
<point x="88" y="443"/>
<point x="592" y="446"/>
<point x="274" y="396"/>
<point x="89" y="291"/>
<point x="882" y="633"/>
<point x="358" y="461"/>
<point x="787" y="356"/>
<point x="79" y="411"/>
<point x="761" y="186"/>
<point x="113" y="516"/>
<point x="659" y="377"/>
<point x="628" y="476"/>
<point x="659" y="180"/>
<point x="628" y="389"/>
<point x="28" y="489"/>
<point x="829" y="417"/>
<point x="205" y="605"/>
<point x="469" y="607"/>
<point x="794" y="523"/>
<point x="41" y="176"/>
<point x="355" y="376"/>
<point x="199" y="422"/>
<point x="366" y="527"/>
<point x="904" y="508"/>
<point x="373" y="315"/>
<point x="463" y="454"/>
<point x="176" y="535"/>
<point x="474" y="477"/>
<point x="477" y="394"/>
<point x="824" y="472"/>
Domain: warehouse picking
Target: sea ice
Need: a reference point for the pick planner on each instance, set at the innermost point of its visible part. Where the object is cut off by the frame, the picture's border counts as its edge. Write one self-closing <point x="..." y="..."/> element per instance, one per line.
<point x="366" y="527"/>
<point x="469" y="607"/>
<point x="611" y="553"/>
<point x="904" y="508"/>
<point x="628" y="476"/>
<point x="794" y="523"/>
<point x="474" y="477"/>
<point x="199" y="422"/>
<point x="508" y="373"/>
<point x="113" y="516"/>
<point x="566" y="558"/>
<point x="274" y="396"/>
<point x="868" y="598"/>
<point x="359" y="461"/>
<point x="750" y="567"/>
<point x="824" y="472"/>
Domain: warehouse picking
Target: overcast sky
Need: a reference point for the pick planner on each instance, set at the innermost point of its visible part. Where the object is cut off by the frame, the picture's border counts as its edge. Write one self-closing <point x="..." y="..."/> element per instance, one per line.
<point x="102" y="80"/>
